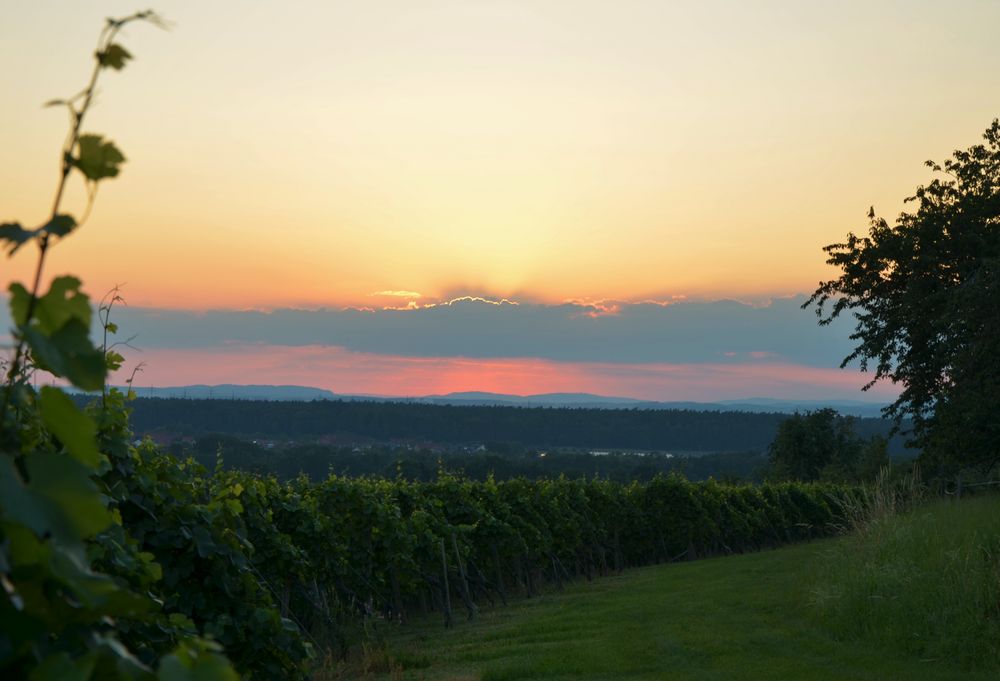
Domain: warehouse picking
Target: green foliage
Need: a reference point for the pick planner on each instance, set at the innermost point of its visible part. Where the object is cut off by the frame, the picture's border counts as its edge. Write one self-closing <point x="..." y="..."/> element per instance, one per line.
<point x="69" y="425"/>
<point x="646" y="430"/>
<point x="924" y="294"/>
<point x="61" y="616"/>
<point x="319" y="460"/>
<point x="193" y="526"/>
<point x="822" y="445"/>
<point x="54" y="498"/>
<point x="59" y="225"/>
<point x="341" y="550"/>
<point x="114" y="56"/>
<point x="16" y="236"/>
<point x="96" y="158"/>
<point x="56" y="329"/>
<point x="874" y="458"/>
<point x="743" y="617"/>
<point x="924" y="583"/>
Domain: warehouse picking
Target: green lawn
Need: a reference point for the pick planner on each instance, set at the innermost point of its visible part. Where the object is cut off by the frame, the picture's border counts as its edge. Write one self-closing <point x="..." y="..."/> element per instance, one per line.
<point x="742" y="617"/>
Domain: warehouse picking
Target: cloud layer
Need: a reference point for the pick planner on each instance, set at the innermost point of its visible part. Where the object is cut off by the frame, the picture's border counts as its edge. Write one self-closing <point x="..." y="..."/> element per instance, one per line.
<point x="607" y="331"/>
<point x="674" y="350"/>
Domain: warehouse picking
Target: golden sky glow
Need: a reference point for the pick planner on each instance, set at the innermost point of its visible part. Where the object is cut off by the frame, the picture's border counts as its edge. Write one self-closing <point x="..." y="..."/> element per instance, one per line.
<point x="316" y="153"/>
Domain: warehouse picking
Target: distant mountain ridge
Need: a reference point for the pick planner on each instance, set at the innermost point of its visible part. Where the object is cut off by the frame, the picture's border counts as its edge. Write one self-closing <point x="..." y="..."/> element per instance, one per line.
<point x="230" y="391"/>
<point x="477" y="398"/>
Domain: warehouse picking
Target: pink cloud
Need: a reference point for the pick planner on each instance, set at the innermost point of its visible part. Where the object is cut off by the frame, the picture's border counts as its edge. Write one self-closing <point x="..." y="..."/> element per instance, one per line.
<point x="344" y="371"/>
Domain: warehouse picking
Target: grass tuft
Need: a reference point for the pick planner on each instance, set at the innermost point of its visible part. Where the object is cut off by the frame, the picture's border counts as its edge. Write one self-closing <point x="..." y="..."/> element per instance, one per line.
<point x="881" y="500"/>
<point x="926" y="583"/>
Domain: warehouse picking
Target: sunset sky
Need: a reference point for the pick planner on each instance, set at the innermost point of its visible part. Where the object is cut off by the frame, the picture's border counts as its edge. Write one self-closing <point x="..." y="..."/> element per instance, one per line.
<point x="624" y="198"/>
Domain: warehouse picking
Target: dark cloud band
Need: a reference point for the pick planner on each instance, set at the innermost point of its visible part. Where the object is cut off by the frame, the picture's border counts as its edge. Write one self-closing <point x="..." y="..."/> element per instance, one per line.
<point x="683" y="332"/>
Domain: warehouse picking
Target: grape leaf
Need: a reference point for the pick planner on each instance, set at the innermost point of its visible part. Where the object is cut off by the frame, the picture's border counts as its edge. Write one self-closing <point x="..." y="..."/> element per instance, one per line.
<point x="115" y="57"/>
<point x="68" y="353"/>
<point x="58" y="500"/>
<point x="73" y="428"/>
<point x="97" y="158"/>
<point x="15" y="235"/>
<point x="60" y="225"/>
<point x="63" y="302"/>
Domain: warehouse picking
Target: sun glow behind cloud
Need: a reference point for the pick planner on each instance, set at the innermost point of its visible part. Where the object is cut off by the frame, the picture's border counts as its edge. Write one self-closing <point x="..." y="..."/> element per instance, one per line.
<point x="536" y="151"/>
<point x="397" y="294"/>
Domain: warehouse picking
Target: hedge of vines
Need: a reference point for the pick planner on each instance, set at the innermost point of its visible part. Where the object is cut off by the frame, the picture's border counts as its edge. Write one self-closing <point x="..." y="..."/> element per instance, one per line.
<point x="269" y="569"/>
<point x="346" y="549"/>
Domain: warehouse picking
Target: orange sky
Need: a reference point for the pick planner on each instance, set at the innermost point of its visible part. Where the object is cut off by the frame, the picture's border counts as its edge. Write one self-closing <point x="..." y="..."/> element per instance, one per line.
<point x="386" y="153"/>
<point x="537" y="150"/>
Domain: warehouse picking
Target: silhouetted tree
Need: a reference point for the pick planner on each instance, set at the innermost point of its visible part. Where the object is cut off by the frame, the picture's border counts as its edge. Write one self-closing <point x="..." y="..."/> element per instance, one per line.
<point x="926" y="296"/>
<point x="816" y="445"/>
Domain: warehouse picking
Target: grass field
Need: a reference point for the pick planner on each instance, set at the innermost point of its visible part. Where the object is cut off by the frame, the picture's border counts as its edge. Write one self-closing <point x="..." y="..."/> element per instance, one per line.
<point x="926" y="583"/>
<point x="752" y="616"/>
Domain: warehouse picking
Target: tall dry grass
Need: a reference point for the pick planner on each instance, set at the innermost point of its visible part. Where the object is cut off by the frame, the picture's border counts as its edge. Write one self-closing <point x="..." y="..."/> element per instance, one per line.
<point x="881" y="500"/>
<point x="919" y="577"/>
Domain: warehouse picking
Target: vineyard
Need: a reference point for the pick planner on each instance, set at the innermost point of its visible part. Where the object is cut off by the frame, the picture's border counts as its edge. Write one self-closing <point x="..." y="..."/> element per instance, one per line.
<point x="119" y="561"/>
<point x="278" y="572"/>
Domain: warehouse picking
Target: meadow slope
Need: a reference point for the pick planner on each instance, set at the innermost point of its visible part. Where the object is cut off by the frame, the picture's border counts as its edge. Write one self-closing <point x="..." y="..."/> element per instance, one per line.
<point x="750" y="616"/>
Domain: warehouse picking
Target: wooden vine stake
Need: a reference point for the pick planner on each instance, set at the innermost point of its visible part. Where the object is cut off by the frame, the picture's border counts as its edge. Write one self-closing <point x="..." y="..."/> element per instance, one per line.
<point x="501" y="589"/>
<point x="445" y="589"/>
<point x="463" y="581"/>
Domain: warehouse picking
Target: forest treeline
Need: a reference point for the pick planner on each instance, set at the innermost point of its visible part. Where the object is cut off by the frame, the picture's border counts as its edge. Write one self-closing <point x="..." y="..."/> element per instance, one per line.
<point x="622" y="429"/>
<point x="502" y="462"/>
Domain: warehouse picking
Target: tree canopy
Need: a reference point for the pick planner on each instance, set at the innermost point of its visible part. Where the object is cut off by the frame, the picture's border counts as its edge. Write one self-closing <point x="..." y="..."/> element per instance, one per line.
<point x="926" y="296"/>
<point x="823" y="445"/>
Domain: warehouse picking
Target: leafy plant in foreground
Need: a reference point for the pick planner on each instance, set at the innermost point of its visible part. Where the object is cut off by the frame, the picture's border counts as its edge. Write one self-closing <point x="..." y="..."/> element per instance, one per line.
<point x="59" y="617"/>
